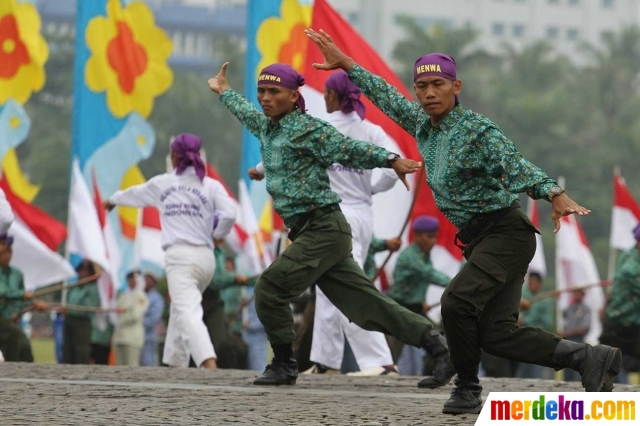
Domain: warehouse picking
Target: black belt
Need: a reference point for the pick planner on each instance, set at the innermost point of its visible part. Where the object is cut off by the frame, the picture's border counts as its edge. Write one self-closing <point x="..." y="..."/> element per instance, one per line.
<point x="479" y="223"/>
<point x="300" y="220"/>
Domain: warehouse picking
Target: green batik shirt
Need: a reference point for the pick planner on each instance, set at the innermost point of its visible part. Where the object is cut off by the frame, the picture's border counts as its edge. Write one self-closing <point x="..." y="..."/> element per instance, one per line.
<point x="472" y="167"/>
<point x="540" y="314"/>
<point x="83" y="295"/>
<point x="624" y="302"/>
<point x="412" y="275"/>
<point x="377" y="245"/>
<point x="11" y="292"/>
<point x="296" y="152"/>
<point x="221" y="277"/>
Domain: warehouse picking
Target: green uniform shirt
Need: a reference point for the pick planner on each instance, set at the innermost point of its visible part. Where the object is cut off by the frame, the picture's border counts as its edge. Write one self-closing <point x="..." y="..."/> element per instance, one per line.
<point x="221" y="277"/>
<point x="624" y="302"/>
<point x="11" y="292"/>
<point x="101" y="337"/>
<point x="540" y="314"/>
<point x="377" y="245"/>
<point x="412" y="275"/>
<point x="472" y="167"/>
<point x="296" y="152"/>
<point x="83" y="295"/>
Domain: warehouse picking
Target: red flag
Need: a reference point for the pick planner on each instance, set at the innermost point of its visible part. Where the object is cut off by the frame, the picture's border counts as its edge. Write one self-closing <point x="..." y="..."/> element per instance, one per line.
<point x="625" y="216"/>
<point x="47" y="229"/>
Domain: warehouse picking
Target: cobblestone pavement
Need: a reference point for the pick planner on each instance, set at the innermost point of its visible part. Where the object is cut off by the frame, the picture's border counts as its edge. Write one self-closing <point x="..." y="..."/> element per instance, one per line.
<point x="100" y="395"/>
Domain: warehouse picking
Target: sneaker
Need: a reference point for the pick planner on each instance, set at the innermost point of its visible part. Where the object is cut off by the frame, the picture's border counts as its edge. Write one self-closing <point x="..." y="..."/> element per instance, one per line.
<point x="321" y="369"/>
<point x="385" y="370"/>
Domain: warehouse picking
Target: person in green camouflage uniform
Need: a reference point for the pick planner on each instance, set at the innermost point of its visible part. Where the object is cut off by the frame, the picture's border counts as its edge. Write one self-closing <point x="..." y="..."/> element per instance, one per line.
<point x="296" y="150"/>
<point x="476" y="175"/>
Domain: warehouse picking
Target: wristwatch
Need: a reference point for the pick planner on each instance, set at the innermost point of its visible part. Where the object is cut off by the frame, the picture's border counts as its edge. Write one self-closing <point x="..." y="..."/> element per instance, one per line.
<point x="554" y="192"/>
<point x="391" y="159"/>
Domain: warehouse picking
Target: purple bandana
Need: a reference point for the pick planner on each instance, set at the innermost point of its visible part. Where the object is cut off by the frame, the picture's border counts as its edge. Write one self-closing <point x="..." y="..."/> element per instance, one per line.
<point x="636" y="232"/>
<point x="339" y="82"/>
<point x="187" y="148"/>
<point x="425" y="224"/>
<point x="8" y="239"/>
<point x="285" y="76"/>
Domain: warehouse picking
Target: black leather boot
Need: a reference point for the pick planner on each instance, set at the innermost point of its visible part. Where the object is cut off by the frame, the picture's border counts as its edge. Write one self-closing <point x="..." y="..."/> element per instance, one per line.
<point x="597" y="365"/>
<point x="466" y="398"/>
<point x="283" y="369"/>
<point x="436" y="345"/>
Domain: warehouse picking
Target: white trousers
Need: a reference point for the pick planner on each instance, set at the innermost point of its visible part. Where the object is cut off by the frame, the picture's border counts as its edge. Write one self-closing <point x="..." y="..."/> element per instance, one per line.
<point x="330" y="326"/>
<point x="189" y="271"/>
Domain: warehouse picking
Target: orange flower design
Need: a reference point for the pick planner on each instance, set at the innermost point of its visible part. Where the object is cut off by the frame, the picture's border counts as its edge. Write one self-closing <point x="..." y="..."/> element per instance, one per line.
<point x="13" y="52"/>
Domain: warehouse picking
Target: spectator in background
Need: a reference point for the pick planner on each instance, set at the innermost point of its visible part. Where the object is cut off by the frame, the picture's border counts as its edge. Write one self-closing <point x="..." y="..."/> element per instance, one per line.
<point x="539" y="314"/>
<point x="128" y="335"/>
<point x="577" y="321"/>
<point x="152" y="317"/>
<point x="233" y="306"/>
<point x="101" y="333"/>
<point x="378" y="245"/>
<point x="76" y="347"/>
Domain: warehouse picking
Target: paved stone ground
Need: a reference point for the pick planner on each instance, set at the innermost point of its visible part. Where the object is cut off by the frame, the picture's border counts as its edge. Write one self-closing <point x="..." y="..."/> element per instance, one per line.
<point x="100" y="395"/>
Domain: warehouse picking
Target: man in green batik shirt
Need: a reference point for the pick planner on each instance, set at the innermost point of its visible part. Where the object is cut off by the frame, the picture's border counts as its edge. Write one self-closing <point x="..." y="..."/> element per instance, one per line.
<point x="476" y="174"/>
<point x="76" y="346"/>
<point x="379" y="245"/>
<point x="297" y="150"/>
<point x="621" y="325"/>
<point x="14" y="344"/>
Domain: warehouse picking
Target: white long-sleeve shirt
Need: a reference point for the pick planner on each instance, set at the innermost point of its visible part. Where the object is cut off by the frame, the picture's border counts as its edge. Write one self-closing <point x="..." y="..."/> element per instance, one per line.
<point x="187" y="207"/>
<point x="6" y="214"/>
<point x="354" y="186"/>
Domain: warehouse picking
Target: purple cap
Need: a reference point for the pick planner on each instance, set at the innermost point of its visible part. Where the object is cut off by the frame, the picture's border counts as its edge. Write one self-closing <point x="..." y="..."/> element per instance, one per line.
<point x="339" y="82"/>
<point x="636" y="232"/>
<point x="425" y="224"/>
<point x="435" y="64"/>
<point x="187" y="148"/>
<point x="285" y="76"/>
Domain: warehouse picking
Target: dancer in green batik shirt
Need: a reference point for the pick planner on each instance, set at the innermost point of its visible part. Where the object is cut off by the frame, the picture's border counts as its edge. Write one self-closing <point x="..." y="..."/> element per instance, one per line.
<point x="476" y="174"/>
<point x="296" y="150"/>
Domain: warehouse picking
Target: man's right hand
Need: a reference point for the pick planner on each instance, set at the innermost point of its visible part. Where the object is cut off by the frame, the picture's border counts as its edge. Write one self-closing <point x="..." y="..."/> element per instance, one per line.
<point x="254" y="174"/>
<point x="524" y="304"/>
<point x="334" y="58"/>
<point x="28" y="295"/>
<point x="403" y="167"/>
<point x="393" y="244"/>
<point x="219" y="83"/>
<point x="241" y="279"/>
<point x="108" y="206"/>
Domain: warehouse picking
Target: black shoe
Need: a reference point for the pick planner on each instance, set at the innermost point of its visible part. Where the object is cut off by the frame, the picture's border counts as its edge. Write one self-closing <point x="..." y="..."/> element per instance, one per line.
<point x="597" y="365"/>
<point x="283" y="369"/>
<point x="436" y="345"/>
<point x="466" y="398"/>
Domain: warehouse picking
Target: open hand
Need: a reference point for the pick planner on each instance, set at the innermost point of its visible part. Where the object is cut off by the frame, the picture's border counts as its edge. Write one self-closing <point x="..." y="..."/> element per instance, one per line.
<point x="403" y="167"/>
<point x="562" y="205"/>
<point x="334" y="58"/>
<point x="219" y="83"/>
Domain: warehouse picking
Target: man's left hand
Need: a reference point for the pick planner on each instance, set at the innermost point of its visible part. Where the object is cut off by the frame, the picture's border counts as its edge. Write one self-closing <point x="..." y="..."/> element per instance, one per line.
<point x="562" y="205"/>
<point x="108" y="206"/>
<point x="403" y="167"/>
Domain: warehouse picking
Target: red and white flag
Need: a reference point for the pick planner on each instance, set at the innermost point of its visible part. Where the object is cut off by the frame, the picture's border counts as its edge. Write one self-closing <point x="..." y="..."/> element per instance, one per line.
<point x="391" y="207"/>
<point x="255" y="257"/>
<point x="148" y="238"/>
<point x="36" y="238"/>
<point x="576" y="267"/>
<point x="538" y="263"/>
<point x="625" y="216"/>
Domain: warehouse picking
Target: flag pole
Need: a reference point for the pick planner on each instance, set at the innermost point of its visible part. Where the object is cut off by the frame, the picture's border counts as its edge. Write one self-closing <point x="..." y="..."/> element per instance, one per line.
<point x="559" y="269"/>
<point x="611" y="269"/>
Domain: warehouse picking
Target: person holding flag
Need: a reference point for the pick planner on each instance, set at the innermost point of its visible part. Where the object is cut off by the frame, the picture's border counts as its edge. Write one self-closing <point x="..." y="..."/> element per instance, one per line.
<point x="355" y="187"/>
<point x="476" y="174"/>
<point x="187" y="201"/>
<point x="297" y="150"/>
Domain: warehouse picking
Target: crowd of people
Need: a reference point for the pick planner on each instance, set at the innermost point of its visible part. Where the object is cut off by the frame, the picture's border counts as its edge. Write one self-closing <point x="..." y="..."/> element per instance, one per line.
<point x="491" y="324"/>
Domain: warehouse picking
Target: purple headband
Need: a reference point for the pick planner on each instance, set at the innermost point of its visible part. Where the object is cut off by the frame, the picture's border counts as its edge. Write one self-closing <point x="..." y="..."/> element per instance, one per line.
<point x="339" y="82"/>
<point x="187" y="148"/>
<point x="636" y="232"/>
<point x="435" y="64"/>
<point x="285" y="76"/>
<point x="426" y="224"/>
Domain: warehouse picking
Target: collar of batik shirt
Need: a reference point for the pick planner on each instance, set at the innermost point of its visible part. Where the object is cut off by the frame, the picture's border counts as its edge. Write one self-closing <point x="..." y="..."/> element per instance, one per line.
<point x="286" y="121"/>
<point x="449" y="121"/>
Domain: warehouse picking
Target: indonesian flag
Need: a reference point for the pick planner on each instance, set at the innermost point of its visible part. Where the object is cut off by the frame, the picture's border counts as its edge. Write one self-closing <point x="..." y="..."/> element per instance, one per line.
<point x="538" y="263"/>
<point x="37" y="236"/>
<point x="86" y="236"/>
<point x="148" y="238"/>
<point x="625" y="216"/>
<point x="255" y="256"/>
<point x="391" y="207"/>
<point x="576" y="268"/>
